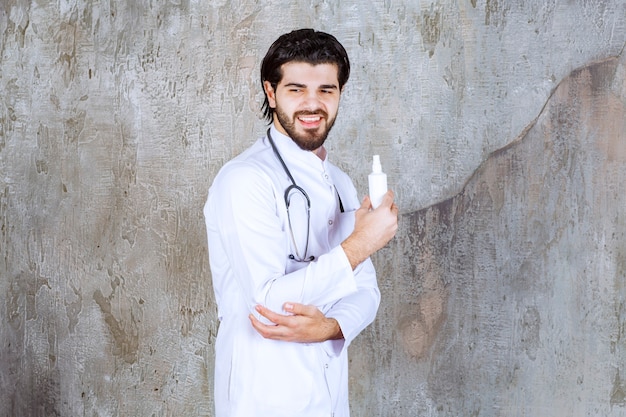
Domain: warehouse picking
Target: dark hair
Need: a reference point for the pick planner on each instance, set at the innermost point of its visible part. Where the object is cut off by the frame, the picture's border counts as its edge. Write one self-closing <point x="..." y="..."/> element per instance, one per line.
<point x="302" y="45"/>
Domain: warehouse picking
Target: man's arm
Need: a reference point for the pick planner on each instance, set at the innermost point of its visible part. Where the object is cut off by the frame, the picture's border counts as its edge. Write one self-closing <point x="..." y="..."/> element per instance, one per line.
<point x="373" y="230"/>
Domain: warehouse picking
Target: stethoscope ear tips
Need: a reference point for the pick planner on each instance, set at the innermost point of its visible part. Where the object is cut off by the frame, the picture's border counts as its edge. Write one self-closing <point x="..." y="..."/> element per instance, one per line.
<point x="309" y="259"/>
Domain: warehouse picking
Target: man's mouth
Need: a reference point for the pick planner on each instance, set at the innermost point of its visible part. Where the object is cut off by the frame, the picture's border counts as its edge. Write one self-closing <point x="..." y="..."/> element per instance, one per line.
<point x="310" y="120"/>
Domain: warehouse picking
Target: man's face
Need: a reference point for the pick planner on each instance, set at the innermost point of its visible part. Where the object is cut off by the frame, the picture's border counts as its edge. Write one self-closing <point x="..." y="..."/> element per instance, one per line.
<point x="305" y="102"/>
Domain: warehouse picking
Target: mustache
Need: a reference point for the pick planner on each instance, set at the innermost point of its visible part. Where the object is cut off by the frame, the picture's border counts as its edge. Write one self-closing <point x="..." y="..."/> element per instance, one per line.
<point x="318" y="112"/>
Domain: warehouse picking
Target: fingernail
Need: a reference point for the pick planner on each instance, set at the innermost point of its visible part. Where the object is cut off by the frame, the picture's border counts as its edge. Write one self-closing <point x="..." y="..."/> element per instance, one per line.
<point x="288" y="306"/>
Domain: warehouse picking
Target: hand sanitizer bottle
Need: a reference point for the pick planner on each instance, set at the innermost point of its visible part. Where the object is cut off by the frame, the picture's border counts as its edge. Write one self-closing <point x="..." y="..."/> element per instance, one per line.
<point x="377" y="182"/>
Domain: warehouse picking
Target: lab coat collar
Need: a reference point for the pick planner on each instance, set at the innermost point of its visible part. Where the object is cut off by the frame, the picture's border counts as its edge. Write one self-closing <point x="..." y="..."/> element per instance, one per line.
<point x="293" y="154"/>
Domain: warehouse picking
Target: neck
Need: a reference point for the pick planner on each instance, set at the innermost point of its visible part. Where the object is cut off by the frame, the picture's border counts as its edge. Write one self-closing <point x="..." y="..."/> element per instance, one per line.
<point x="320" y="152"/>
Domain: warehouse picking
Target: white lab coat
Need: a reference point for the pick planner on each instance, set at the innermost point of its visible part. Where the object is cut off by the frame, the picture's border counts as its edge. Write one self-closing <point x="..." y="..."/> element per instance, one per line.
<point x="249" y="243"/>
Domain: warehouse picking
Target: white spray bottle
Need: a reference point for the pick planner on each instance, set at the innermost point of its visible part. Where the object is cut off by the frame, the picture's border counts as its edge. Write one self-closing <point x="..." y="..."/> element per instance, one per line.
<point x="377" y="182"/>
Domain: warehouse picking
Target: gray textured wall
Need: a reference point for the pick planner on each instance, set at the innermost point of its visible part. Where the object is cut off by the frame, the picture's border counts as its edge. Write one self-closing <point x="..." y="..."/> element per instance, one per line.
<point x="501" y="125"/>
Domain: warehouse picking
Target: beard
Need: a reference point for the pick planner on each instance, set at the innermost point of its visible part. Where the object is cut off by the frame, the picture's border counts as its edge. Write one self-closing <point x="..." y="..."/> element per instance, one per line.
<point x="309" y="139"/>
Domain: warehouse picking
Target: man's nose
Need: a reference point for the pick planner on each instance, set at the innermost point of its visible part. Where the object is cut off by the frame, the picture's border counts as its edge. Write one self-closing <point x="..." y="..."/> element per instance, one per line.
<point x="312" y="100"/>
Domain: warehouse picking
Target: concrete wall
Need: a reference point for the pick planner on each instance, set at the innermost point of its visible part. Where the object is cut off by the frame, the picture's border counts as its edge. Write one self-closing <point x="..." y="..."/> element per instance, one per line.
<point x="500" y="124"/>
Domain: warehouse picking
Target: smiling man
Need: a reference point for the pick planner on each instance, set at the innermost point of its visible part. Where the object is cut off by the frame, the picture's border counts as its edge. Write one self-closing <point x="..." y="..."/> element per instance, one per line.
<point x="289" y="246"/>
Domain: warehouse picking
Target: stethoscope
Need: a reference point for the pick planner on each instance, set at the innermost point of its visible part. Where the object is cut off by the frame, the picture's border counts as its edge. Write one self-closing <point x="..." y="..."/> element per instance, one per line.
<point x="289" y="192"/>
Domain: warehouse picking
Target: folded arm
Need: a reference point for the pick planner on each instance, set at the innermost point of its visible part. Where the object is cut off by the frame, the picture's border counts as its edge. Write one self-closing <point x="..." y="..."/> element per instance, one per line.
<point x="306" y="323"/>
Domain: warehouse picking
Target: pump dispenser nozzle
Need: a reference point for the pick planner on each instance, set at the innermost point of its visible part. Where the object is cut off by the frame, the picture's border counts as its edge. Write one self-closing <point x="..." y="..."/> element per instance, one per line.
<point x="376" y="167"/>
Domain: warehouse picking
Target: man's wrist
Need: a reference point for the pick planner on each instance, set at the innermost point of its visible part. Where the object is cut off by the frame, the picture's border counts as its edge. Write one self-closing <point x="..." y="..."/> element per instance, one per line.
<point x="335" y="332"/>
<point x="352" y="253"/>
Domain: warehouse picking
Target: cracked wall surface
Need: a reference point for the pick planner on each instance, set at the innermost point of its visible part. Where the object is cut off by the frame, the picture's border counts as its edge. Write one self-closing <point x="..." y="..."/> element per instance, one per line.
<point x="499" y="123"/>
<point x="514" y="302"/>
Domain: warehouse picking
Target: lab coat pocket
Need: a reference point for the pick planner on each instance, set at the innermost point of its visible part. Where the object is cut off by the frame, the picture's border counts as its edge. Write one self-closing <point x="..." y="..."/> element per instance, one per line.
<point x="283" y="376"/>
<point x="343" y="226"/>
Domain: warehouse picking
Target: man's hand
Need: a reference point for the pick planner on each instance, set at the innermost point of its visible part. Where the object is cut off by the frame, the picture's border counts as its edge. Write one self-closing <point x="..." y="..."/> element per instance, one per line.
<point x="373" y="229"/>
<point x="305" y="324"/>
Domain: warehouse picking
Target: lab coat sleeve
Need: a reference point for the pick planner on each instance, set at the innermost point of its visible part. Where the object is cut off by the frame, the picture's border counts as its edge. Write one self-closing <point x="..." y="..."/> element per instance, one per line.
<point x="355" y="311"/>
<point x="242" y="214"/>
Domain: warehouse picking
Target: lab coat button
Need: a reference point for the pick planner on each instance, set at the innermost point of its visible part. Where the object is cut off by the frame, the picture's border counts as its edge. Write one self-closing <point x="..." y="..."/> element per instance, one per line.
<point x="330" y="222"/>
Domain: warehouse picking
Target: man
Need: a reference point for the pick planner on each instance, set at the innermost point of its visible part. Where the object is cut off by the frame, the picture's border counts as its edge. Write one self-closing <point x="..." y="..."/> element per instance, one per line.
<point x="289" y="247"/>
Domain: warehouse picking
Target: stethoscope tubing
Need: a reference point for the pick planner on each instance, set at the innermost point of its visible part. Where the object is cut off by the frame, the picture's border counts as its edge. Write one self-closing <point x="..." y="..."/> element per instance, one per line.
<point x="287" y="200"/>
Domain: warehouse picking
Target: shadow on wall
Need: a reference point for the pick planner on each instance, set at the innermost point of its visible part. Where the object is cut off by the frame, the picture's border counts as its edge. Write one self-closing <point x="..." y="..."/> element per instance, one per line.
<point x="511" y="295"/>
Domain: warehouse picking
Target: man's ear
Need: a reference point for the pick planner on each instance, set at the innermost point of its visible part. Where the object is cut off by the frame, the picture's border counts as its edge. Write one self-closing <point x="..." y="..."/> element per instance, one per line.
<point x="271" y="94"/>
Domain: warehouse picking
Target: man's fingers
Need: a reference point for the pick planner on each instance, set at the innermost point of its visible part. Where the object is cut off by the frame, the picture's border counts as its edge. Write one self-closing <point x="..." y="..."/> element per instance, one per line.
<point x="267" y="331"/>
<point x="388" y="198"/>
<point x="279" y="328"/>
<point x="299" y="309"/>
<point x="270" y="315"/>
<point x="366" y="204"/>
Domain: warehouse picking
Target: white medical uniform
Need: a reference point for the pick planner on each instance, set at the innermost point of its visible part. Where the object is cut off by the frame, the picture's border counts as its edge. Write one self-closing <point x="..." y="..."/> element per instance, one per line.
<point x="249" y="244"/>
